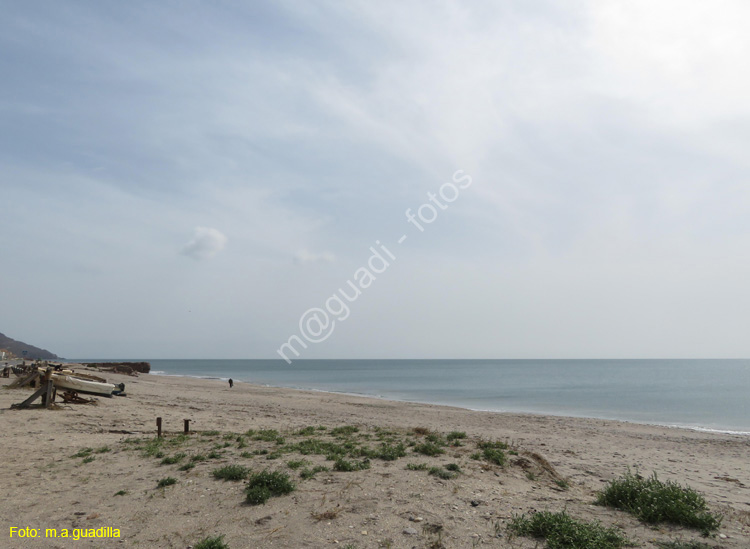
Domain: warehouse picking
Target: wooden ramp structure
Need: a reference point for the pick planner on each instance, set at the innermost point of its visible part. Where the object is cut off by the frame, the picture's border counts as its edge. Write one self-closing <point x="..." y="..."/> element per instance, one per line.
<point x="46" y="390"/>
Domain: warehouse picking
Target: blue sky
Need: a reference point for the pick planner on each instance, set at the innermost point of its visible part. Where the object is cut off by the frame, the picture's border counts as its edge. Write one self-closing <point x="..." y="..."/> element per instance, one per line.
<point x="187" y="179"/>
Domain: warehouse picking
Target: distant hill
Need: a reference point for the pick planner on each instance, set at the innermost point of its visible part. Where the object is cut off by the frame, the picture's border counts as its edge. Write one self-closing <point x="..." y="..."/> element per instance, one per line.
<point x="18" y="347"/>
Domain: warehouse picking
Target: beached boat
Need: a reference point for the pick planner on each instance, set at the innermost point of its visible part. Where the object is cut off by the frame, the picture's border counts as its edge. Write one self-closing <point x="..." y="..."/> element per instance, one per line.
<point x="85" y="385"/>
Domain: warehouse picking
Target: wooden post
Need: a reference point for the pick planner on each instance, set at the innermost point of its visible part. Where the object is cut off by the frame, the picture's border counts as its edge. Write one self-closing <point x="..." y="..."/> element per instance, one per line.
<point x="158" y="427"/>
<point x="46" y="382"/>
<point x="48" y="396"/>
<point x="187" y="426"/>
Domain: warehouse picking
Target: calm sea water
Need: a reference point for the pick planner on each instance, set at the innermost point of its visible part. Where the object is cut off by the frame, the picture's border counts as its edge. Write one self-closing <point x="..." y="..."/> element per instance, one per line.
<point x="706" y="394"/>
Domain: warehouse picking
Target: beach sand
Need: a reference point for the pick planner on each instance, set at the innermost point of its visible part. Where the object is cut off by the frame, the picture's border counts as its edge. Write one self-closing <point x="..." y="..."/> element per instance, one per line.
<point x="42" y="486"/>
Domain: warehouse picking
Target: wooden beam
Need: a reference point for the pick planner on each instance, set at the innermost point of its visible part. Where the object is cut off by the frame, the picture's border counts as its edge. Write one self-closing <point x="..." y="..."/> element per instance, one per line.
<point x="25" y="404"/>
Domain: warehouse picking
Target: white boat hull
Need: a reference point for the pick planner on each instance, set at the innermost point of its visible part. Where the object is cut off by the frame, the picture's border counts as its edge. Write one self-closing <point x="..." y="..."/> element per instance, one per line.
<point x="84" y="385"/>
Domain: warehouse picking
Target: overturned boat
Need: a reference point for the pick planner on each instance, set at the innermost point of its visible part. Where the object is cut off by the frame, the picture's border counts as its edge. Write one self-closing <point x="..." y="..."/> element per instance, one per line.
<point x="88" y="386"/>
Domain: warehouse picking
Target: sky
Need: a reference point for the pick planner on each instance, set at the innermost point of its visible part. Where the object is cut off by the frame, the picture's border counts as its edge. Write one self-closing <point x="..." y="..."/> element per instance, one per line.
<point x="396" y="179"/>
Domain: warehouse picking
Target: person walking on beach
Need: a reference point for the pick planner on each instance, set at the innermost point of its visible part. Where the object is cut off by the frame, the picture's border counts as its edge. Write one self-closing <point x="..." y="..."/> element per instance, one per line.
<point x="231" y="383"/>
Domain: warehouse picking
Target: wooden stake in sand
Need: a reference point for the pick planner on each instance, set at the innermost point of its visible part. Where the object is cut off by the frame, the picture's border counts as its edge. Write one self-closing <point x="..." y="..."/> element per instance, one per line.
<point x="187" y="426"/>
<point x="158" y="427"/>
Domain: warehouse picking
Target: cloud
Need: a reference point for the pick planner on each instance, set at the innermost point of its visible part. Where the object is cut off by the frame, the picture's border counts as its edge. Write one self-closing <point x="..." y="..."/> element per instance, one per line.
<point x="206" y="243"/>
<point x="305" y="256"/>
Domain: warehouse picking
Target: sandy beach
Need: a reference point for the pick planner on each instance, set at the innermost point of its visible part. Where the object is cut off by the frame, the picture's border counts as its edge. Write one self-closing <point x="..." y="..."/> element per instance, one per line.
<point x="554" y="463"/>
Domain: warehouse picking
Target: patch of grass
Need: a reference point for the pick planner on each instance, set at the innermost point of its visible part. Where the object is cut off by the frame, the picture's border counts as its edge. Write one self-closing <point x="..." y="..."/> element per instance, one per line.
<point x="187" y="466"/>
<point x="562" y="483"/>
<point x="214" y="455"/>
<point x="241" y="443"/>
<point x="84" y="452"/>
<point x="421" y="431"/>
<point x="455" y="435"/>
<point x="211" y="543"/>
<point x="171" y="460"/>
<point x="436" y="438"/>
<point x="247" y="455"/>
<point x="564" y="532"/>
<point x="121" y="493"/>
<point x="439" y="472"/>
<point x="653" y="501"/>
<point x="88" y="459"/>
<point x="267" y="484"/>
<point x="493" y="453"/>
<point x="296" y="463"/>
<point x="198" y="457"/>
<point x="476" y="455"/>
<point x="429" y="449"/>
<point x="269" y="435"/>
<point x="210" y="433"/>
<point x="153" y="448"/>
<point x="388" y="452"/>
<point x="347" y="466"/>
<point x="178" y="440"/>
<point x="306" y="431"/>
<point x="231" y="472"/>
<point x="306" y="473"/>
<point x="453" y="467"/>
<point x="316" y="446"/>
<point x="169" y="481"/>
<point x="102" y="450"/>
<point x="345" y="431"/>
<point x="274" y="455"/>
<point x="682" y="545"/>
<point x="530" y="475"/>
<point x="416" y="466"/>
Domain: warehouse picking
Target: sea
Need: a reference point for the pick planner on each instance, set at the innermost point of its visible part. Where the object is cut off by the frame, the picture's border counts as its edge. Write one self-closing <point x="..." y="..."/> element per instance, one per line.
<point x="711" y="395"/>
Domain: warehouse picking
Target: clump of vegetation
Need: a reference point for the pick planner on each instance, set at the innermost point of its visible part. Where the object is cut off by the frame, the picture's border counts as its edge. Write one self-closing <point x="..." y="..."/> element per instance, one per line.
<point x="564" y="532"/>
<point x="441" y="473"/>
<point x="306" y="431"/>
<point x="416" y="466"/>
<point x="269" y="435"/>
<point x="231" y="472"/>
<point x="562" y="483"/>
<point x="682" y="545"/>
<point x="267" y="484"/>
<point x="429" y="449"/>
<point x="121" y="493"/>
<point x="88" y="459"/>
<point x="421" y="431"/>
<point x="171" y="460"/>
<point x="210" y="433"/>
<point x="187" y="466"/>
<point x="169" y="481"/>
<point x="388" y="452"/>
<point x="453" y="467"/>
<point x="295" y="463"/>
<point x="214" y="454"/>
<point x="153" y="448"/>
<point x="347" y="466"/>
<point x="654" y="501"/>
<point x="345" y="431"/>
<point x="493" y="452"/>
<point x="307" y="473"/>
<point x="84" y="452"/>
<point x="455" y="435"/>
<point x="198" y="457"/>
<point x="103" y="450"/>
<point x="211" y="543"/>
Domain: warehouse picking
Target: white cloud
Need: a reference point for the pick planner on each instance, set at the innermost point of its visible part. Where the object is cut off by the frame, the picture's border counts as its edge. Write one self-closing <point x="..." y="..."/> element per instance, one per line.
<point x="206" y="243"/>
<point x="306" y="256"/>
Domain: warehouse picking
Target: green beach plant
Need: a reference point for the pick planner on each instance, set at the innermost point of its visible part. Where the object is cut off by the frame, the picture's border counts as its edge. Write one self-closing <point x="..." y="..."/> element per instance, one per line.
<point x="231" y="472"/>
<point x="211" y="543"/>
<point x="653" y="501"/>
<point x="267" y="484"/>
<point x="561" y="531"/>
